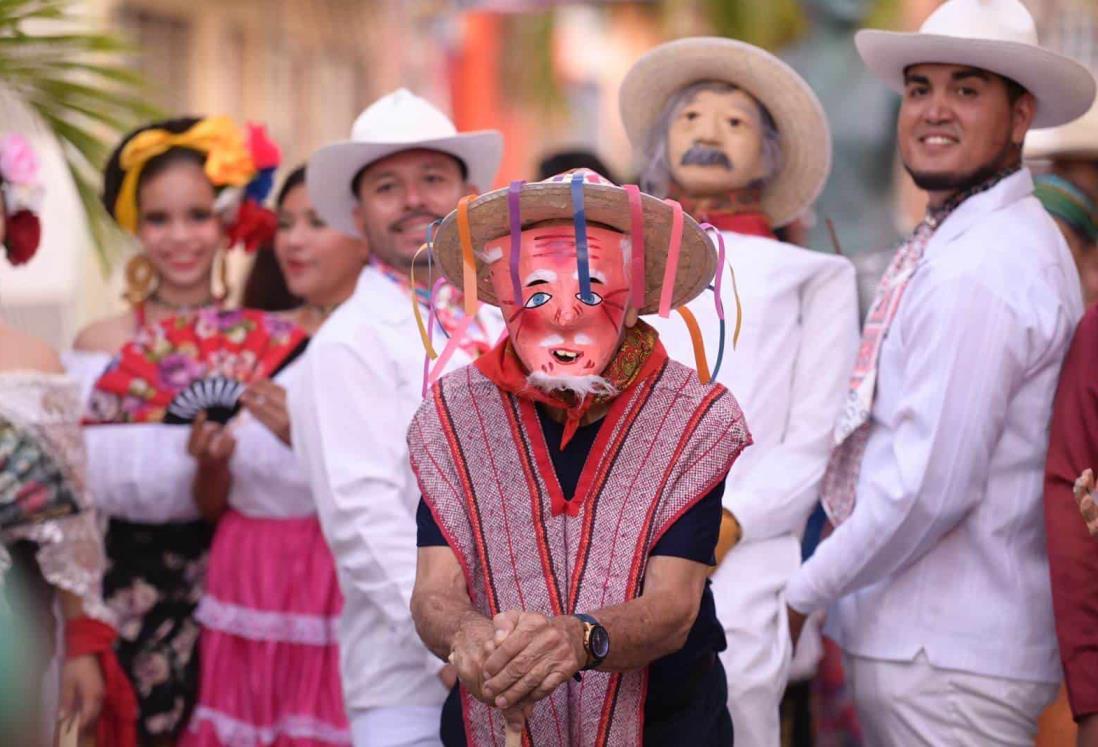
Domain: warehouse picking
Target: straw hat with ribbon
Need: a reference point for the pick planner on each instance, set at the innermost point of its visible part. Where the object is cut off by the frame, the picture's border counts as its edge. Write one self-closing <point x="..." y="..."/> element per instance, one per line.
<point x="798" y="115"/>
<point x="672" y="260"/>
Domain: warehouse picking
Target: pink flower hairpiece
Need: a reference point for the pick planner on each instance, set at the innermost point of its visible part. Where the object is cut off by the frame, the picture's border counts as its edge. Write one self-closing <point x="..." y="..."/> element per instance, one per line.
<point x="21" y="194"/>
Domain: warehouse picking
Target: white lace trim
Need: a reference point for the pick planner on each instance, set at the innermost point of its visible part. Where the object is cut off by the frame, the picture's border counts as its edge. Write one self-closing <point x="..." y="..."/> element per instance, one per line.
<point x="262" y="625"/>
<point x="238" y="733"/>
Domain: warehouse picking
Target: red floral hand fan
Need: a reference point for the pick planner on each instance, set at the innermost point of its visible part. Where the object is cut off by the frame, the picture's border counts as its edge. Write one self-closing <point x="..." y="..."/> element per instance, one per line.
<point x="185" y="364"/>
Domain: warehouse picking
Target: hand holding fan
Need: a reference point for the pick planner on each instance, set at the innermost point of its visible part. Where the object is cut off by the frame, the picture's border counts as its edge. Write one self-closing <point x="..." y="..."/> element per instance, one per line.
<point x="192" y="363"/>
<point x="34" y="486"/>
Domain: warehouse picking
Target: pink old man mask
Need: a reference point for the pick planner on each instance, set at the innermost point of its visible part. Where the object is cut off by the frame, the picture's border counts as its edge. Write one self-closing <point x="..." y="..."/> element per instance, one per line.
<point x="564" y="340"/>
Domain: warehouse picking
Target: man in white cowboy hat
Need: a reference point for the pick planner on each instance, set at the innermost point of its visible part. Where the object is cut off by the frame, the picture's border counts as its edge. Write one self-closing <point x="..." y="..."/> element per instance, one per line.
<point x="404" y="167"/>
<point x="937" y="573"/>
<point x="737" y="137"/>
<point x="572" y="479"/>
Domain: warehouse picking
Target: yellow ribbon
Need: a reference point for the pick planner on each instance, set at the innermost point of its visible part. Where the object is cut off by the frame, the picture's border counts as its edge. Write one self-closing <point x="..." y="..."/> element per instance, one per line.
<point x="228" y="161"/>
<point x="424" y="335"/>
<point x="739" y="307"/>
<point x="698" y="344"/>
<point x="468" y="259"/>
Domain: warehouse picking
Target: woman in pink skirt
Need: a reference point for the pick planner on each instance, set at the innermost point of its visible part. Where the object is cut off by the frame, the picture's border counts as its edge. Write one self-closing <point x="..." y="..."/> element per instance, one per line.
<point x="268" y="651"/>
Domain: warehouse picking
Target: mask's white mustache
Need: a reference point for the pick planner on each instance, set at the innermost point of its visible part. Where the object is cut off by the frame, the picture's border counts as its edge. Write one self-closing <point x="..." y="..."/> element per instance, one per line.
<point x="581" y="386"/>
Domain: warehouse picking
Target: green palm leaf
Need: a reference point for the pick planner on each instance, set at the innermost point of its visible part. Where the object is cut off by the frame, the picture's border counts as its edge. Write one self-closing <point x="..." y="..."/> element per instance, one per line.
<point x="71" y="76"/>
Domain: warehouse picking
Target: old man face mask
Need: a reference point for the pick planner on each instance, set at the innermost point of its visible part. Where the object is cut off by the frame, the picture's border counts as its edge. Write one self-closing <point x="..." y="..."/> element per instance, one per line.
<point x="715" y="143"/>
<point x="565" y="340"/>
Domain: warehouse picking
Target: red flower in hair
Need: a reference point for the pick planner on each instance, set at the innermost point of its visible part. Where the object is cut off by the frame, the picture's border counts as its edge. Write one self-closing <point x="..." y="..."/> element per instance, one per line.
<point x="22" y="236"/>
<point x="254" y="226"/>
<point x="265" y="153"/>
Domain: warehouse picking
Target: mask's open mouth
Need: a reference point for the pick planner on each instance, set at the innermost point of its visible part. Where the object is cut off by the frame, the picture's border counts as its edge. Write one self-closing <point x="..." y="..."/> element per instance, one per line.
<point x="566" y="357"/>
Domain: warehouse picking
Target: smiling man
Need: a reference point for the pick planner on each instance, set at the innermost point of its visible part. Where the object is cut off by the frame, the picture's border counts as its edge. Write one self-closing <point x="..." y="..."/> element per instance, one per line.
<point x="937" y="568"/>
<point x="404" y="167"/>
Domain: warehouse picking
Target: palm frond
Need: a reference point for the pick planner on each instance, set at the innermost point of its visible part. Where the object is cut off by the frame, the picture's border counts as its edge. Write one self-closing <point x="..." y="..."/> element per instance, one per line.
<point x="72" y="76"/>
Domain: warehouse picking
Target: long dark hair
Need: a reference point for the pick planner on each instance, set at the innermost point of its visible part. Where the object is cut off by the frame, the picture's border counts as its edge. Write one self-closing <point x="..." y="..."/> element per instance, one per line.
<point x="266" y="288"/>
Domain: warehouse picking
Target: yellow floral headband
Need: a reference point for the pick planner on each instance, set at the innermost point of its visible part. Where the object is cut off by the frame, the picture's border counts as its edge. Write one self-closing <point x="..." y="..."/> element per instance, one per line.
<point x="228" y="160"/>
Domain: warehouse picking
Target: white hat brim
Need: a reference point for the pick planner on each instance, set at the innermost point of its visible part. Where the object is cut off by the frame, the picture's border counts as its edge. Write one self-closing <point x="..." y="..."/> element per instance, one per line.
<point x="1064" y="89"/>
<point x="803" y="130"/>
<point x="331" y="169"/>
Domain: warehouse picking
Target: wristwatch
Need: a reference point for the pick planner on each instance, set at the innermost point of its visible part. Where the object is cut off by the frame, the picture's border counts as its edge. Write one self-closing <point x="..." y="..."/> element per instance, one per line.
<point x="596" y="641"/>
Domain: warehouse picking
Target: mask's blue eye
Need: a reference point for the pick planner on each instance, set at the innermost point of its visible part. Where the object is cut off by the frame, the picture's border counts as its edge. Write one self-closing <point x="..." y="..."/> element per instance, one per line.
<point x="594" y="299"/>
<point x="538" y="299"/>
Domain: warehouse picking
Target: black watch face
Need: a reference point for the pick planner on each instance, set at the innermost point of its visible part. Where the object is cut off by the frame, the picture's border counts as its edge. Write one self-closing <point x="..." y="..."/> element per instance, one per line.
<point x="600" y="642"/>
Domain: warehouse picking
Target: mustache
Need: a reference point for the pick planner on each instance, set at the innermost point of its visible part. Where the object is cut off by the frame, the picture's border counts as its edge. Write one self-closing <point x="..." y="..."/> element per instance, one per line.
<point x="704" y="155"/>
<point x="416" y="217"/>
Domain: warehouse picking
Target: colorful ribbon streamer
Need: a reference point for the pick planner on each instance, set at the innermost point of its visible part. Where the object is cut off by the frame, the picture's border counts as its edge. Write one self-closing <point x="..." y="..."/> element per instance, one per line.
<point x="579" y="218"/>
<point x="468" y="259"/>
<point x="514" y="213"/>
<point x="674" y="248"/>
<point x="698" y="344"/>
<point x="636" y="241"/>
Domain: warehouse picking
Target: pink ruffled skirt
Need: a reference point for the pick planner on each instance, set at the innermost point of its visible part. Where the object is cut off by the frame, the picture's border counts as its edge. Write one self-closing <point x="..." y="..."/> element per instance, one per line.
<point x="269" y="653"/>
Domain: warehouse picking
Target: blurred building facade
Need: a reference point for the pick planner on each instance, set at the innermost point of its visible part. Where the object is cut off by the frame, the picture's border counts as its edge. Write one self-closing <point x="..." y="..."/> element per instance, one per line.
<point x="545" y="73"/>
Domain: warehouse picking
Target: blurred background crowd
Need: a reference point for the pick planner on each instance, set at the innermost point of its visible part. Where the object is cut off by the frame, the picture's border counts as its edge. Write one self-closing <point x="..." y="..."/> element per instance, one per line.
<point x="544" y="72"/>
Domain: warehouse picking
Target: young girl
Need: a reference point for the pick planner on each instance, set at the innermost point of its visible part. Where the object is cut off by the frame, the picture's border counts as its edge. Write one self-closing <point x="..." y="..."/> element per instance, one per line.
<point x="166" y="183"/>
<point x="48" y="538"/>
<point x="270" y="665"/>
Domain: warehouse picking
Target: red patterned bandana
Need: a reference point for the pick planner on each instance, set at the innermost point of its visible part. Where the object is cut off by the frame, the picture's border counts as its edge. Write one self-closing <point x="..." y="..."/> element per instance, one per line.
<point x="639" y="355"/>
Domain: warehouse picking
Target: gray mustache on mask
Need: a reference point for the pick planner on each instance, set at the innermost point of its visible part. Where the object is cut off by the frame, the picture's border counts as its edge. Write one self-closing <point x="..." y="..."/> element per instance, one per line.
<point x="704" y="155"/>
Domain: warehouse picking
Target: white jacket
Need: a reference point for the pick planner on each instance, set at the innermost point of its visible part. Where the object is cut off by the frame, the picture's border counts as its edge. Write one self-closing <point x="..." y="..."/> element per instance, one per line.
<point x="945" y="550"/>
<point x="350" y="410"/>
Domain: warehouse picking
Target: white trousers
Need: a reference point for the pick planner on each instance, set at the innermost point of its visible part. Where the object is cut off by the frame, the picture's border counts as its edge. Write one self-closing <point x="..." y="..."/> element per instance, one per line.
<point x="748" y="590"/>
<point x="398" y="726"/>
<point x="914" y="703"/>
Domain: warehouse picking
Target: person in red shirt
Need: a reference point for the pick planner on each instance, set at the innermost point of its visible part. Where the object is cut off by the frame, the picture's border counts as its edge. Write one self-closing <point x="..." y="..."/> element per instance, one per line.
<point x="1073" y="553"/>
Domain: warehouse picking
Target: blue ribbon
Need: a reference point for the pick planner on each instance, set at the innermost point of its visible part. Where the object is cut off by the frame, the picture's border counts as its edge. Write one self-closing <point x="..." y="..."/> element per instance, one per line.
<point x="579" y="217"/>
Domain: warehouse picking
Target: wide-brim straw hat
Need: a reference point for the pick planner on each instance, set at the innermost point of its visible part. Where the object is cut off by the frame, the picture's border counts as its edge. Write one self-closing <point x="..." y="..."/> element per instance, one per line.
<point x="803" y="132"/>
<point x="396" y="122"/>
<point x="604" y="203"/>
<point x="1076" y="139"/>
<point x="994" y="35"/>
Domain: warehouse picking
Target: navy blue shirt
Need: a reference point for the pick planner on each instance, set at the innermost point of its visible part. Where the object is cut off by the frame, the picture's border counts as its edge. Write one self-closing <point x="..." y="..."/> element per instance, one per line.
<point x="687" y="691"/>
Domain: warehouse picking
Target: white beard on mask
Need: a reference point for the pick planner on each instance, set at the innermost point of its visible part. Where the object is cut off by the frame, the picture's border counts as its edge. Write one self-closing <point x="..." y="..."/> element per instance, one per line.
<point x="580" y="386"/>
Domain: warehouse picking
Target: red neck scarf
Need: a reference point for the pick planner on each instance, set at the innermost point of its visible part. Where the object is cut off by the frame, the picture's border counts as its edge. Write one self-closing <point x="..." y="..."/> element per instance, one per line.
<point x="746" y="224"/>
<point x="639" y="355"/>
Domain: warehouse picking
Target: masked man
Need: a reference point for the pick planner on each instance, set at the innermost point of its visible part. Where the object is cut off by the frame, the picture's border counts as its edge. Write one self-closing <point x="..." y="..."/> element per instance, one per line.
<point x="736" y="136"/>
<point x="937" y="573"/>
<point x="572" y="478"/>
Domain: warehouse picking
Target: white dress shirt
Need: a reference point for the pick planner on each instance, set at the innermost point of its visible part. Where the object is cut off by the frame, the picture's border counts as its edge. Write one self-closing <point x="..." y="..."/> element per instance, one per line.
<point x="788" y="372"/>
<point x="945" y="550"/>
<point x="350" y="410"/>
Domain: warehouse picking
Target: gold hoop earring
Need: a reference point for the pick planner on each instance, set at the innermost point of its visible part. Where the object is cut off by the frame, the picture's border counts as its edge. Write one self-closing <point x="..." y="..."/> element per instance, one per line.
<point x="221" y="294"/>
<point x="142" y="280"/>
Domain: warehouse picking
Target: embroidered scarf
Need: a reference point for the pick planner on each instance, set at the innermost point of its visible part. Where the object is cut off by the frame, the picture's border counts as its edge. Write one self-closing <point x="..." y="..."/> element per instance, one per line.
<point x="852" y="429"/>
<point x="449" y="310"/>
<point x="639" y="353"/>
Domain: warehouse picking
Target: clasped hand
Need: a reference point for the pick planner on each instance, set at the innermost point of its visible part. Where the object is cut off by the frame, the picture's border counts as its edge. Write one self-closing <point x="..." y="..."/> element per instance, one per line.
<point x="517" y="659"/>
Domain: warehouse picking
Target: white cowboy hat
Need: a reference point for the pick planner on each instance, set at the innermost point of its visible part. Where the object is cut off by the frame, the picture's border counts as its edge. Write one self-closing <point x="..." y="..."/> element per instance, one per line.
<point x="396" y="122"/>
<point x="803" y="132"/>
<point x="1076" y="139"/>
<point x="994" y="35"/>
